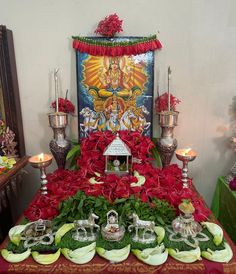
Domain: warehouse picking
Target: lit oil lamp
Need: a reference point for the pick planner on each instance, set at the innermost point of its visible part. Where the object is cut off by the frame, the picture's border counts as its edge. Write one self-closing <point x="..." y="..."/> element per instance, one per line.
<point x="42" y="161"/>
<point x="185" y="156"/>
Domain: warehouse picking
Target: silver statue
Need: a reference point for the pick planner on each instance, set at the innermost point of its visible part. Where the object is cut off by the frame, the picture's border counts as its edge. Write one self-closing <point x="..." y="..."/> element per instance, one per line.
<point x="81" y="226"/>
<point x="147" y="234"/>
<point x="112" y="231"/>
<point x="39" y="232"/>
<point x="185" y="226"/>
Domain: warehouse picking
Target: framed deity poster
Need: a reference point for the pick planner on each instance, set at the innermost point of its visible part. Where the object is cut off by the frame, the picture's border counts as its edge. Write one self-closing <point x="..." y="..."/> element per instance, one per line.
<point x="115" y="92"/>
<point x="10" y="108"/>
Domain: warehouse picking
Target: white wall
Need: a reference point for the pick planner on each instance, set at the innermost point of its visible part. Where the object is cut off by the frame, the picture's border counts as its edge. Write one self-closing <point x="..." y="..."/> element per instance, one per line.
<point x="199" y="43"/>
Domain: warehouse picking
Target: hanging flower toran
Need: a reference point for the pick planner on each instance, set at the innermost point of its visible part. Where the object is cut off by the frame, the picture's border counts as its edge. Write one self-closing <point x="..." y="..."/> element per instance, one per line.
<point x="112" y="47"/>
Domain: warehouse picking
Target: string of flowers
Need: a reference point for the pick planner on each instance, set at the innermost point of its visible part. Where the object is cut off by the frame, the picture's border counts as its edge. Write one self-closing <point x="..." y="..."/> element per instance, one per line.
<point x="101" y="47"/>
<point x="106" y="46"/>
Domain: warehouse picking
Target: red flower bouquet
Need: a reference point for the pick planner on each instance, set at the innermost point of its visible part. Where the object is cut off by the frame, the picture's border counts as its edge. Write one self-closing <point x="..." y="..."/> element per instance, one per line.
<point x="161" y="102"/>
<point x="109" y="26"/>
<point x="64" y="105"/>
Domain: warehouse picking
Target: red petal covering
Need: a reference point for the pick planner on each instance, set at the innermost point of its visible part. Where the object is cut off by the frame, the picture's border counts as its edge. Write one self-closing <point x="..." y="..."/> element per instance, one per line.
<point x="163" y="184"/>
<point x="100" y="50"/>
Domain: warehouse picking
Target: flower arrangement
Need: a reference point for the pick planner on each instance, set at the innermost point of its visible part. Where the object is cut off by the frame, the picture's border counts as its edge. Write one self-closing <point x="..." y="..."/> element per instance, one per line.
<point x="64" y="105"/>
<point x="6" y="164"/>
<point x="161" y="103"/>
<point x="164" y="184"/>
<point x="7" y="141"/>
<point x="109" y="26"/>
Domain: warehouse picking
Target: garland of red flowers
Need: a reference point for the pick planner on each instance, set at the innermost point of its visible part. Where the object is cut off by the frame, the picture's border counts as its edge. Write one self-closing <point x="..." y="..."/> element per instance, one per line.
<point x="161" y="183"/>
<point x="113" y="48"/>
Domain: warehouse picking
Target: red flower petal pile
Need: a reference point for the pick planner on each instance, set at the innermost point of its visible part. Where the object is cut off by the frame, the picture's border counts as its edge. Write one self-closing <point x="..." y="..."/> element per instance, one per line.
<point x="161" y="183"/>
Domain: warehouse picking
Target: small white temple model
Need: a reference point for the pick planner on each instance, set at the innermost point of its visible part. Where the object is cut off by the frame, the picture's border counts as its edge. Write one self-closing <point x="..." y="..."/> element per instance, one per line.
<point x="117" y="155"/>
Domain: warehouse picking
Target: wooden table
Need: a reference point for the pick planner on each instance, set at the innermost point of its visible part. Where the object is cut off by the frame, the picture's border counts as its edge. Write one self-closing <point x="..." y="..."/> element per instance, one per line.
<point x="131" y="265"/>
<point x="10" y="183"/>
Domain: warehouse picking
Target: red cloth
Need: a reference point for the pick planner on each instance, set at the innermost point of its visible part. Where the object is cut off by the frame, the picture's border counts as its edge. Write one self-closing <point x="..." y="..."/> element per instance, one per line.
<point x="130" y="266"/>
<point x="213" y="267"/>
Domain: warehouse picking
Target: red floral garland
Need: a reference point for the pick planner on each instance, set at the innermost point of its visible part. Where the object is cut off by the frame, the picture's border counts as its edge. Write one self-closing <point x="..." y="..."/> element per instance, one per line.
<point x="163" y="184"/>
<point x="96" y="48"/>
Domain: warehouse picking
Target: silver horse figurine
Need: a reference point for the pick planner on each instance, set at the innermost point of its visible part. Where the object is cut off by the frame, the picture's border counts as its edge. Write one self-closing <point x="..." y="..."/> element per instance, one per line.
<point x="81" y="225"/>
<point x="146" y="226"/>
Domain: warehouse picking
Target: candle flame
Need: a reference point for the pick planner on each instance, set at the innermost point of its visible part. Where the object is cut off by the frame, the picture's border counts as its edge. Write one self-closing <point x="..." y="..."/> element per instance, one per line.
<point x="41" y="156"/>
<point x="187" y="151"/>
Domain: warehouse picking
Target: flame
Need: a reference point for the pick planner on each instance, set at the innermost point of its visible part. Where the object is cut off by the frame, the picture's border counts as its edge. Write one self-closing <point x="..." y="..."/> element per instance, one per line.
<point x="41" y="157"/>
<point x="187" y="151"/>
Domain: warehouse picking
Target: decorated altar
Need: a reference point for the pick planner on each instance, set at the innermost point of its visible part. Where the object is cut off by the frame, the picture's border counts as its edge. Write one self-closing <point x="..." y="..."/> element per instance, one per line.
<point x="153" y="194"/>
<point x="116" y="209"/>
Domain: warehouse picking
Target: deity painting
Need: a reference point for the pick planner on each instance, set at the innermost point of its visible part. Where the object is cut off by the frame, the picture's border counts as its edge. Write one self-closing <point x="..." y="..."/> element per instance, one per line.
<point x="115" y="93"/>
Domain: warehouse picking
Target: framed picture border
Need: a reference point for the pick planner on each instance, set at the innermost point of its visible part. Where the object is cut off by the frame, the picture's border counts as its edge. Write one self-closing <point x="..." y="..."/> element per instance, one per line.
<point x="10" y="88"/>
<point x="78" y="77"/>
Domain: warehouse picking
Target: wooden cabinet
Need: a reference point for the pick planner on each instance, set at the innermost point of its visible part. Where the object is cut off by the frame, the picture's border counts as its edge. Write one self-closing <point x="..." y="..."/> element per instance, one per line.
<point x="10" y="188"/>
<point x="10" y="108"/>
<point x="10" y="112"/>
